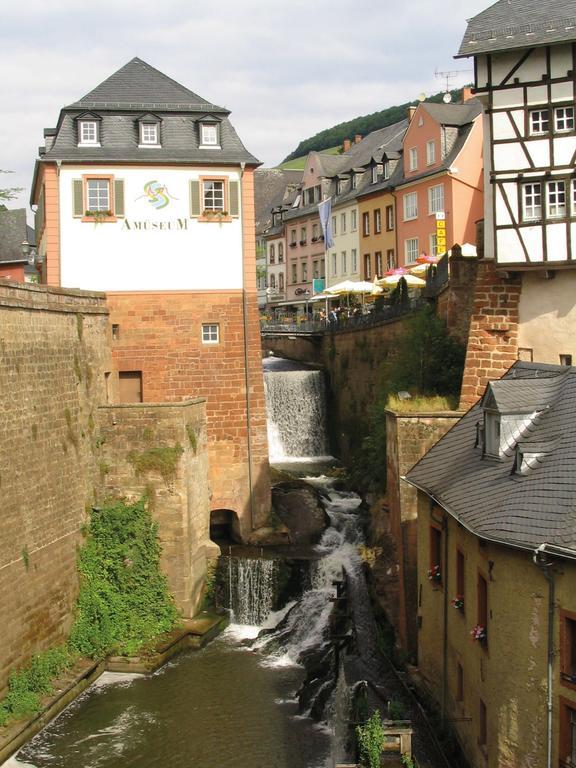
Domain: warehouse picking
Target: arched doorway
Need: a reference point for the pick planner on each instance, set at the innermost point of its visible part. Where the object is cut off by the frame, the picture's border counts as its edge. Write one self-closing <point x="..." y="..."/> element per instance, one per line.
<point x="224" y="526"/>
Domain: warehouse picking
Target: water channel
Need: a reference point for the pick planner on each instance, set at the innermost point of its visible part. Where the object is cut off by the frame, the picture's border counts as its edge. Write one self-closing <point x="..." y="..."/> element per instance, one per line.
<point x="234" y="702"/>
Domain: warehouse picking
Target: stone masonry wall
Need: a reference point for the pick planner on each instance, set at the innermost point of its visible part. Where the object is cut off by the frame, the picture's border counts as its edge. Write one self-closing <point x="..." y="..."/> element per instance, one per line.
<point x="493" y="338"/>
<point x="160" y="334"/>
<point x="53" y="354"/>
<point x="408" y="437"/>
<point x="180" y="502"/>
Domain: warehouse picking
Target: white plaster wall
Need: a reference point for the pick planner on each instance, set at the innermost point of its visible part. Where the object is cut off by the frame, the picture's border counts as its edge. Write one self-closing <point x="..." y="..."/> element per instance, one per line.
<point x="564" y="148"/>
<point x="346" y="243"/>
<point x="514" y="97"/>
<point x="510" y="157"/>
<point x="561" y="91"/>
<point x="503" y="128"/>
<point x="537" y="94"/>
<point x="510" y="250"/>
<point x="561" y="61"/>
<point x="547" y="314"/>
<point x="556" y="242"/>
<point x="112" y="257"/>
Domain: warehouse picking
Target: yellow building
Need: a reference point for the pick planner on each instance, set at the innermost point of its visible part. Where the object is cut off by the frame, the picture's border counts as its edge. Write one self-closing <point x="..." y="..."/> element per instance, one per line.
<point x="377" y="231"/>
<point x="497" y="571"/>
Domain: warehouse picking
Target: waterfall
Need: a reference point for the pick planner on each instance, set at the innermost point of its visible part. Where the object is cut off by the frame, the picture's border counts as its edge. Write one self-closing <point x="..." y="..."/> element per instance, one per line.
<point x="252" y="584"/>
<point x="296" y="410"/>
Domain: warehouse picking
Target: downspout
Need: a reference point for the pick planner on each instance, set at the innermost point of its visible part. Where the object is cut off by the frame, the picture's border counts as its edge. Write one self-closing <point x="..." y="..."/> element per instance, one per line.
<point x="246" y="376"/>
<point x="545" y="566"/>
<point x="445" y="623"/>
<point x="395" y="197"/>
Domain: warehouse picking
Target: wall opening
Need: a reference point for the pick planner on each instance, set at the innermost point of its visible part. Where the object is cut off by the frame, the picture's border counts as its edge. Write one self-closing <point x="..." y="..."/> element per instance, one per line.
<point x="130" y="386"/>
<point x="224" y="526"/>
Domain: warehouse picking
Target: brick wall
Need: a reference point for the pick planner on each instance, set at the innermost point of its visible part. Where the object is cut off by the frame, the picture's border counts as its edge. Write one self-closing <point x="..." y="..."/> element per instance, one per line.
<point x="408" y="438"/>
<point x="493" y="338"/>
<point x="160" y="335"/>
<point x="180" y="503"/>
<point x="53" y="354"/>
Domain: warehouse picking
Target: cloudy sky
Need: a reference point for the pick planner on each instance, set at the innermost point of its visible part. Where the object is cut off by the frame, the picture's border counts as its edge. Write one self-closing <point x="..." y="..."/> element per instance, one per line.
<point x="285" y="69"/>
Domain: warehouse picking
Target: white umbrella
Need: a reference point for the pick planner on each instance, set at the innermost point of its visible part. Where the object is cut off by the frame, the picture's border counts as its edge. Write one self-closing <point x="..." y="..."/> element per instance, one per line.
<point x="393" y="280"/>
<point x="350" y="286"/>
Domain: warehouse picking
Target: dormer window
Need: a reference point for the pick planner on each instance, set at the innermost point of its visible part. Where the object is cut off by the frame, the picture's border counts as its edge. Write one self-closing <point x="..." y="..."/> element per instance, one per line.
<point x="88" y="134"/>
<point x="354" y="180"/>
<point x="209" y="135"/>
<point x="374" y="174"/>
<point x="149" y="134"/>
<point x="492" y="434"/>
<point x="386" y="169"/>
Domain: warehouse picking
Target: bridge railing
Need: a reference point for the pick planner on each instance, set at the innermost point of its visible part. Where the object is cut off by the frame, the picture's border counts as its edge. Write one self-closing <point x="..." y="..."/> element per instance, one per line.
<point x="376" y="317"/>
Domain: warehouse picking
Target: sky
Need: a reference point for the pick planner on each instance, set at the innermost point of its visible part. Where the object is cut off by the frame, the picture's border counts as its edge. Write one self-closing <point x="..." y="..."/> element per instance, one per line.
<point x="286" y="70"/>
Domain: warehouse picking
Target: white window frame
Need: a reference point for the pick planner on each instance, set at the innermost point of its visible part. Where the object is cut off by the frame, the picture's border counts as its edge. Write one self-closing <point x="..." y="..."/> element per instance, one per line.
<point x="272" y="254"/>
<point x="334" y="229"/>
<point x="377" y="221"/>
<point x="410" y="204"/>
<point x="342" y="223"/>
<point x="430" y="152"/>
<point x="436" y="199"/>
<point x="280" y="253"/>
<point x="354" y="260"/>
<point x="433" y="244"/>
<point x="344" y="262"/>
<point x="353" y="220"/>
<point x="209" y="136"/>
<point x="334" y="264"/>
<point x="304" y="271"/>
<point x="98" y="195"/>
<point x="539" y="122"/>
<point x="556" y="199"/>
<point x="390" y="218"/>
<point x="413" y="158"/>
<point x="215" y="196"/>
<point x="88" y="133"/>
<point x="492" y="428"/>
<point x="411" y="250"/>
<point x="532" y="201"/>
<point x="366" y="223"/>
<point x="386" y="169"/>
<point x="374" y="177"/>
<point x="210" y="333"/>
<point x="149" y="138"/>
<point x="294" y="271"/>
<point x="563" y="119"/>
<point x="354" y="181"/>
<point x="573" y="185"/>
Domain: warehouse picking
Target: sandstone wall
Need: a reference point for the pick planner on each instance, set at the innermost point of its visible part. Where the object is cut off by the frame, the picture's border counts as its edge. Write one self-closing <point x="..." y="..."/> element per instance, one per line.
<point x="160" y="334"/>
<point x="53" y="355"/>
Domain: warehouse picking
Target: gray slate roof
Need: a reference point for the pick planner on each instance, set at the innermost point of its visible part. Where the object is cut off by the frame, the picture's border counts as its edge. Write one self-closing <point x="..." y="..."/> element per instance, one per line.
<point x="271" y="189"/>
<point x="484" y="494"/>
<point x="13" y="231"/>
<point x="519" y="24"/>
<point x="134" y="90"/>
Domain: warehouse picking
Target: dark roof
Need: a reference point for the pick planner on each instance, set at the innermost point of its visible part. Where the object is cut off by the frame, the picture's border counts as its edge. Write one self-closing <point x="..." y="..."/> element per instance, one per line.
<point x="453" y="114"/>
<point x="13" y="231"/>
<point x="119" y="102"/>
<point x="519" y="24"/>
<point x="138" y="86"/>
<point x="272" y="187"/>
<point x="486" y="495"/>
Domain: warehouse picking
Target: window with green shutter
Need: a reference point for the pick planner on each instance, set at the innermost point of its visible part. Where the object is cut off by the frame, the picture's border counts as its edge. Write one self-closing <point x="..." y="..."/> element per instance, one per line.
<point x="77" y="198"/>
<point x="195" y="198"/>
<point x="119" y="197"/>
<point x="234" y="194"/>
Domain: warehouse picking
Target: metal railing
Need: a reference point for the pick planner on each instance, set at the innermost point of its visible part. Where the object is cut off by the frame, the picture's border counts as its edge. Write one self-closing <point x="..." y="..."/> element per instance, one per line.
<point x="376" y="317"/>
<point x="437" y="277"/>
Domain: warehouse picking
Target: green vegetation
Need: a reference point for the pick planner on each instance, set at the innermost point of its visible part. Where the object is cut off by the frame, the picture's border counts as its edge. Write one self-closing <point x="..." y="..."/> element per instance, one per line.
<point x="161" y="459"/>
<point x="370" y="741"/>
<point x="298" y="163"/>
<point x="80" y="325"/>
<point x="407" y="761"/>
<point x="428" y="364"/>
<point x="124" y="603"/>
<point x="334" y="137"/>
<point x="192" y="438"/>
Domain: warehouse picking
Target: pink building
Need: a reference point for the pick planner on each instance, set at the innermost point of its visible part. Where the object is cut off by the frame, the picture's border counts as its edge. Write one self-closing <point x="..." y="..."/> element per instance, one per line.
<point x="442" y="179"/>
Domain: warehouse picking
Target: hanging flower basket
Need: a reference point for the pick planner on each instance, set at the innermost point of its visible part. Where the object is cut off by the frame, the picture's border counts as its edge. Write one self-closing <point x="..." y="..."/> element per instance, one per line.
<point x="478" y="633"/>
<point x="457" y="602"/>
<point x="434" y="573"/>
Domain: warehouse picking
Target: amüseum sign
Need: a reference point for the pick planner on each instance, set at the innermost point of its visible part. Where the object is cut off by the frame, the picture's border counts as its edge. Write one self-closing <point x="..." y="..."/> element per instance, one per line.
<point x="147" y="224"/>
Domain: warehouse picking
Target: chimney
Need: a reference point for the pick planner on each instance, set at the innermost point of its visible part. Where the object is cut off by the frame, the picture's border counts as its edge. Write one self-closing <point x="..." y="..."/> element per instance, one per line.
<point x="357" y="138"/>
<point x="411" y="109"/>
<point x="467" y="94"/>
<point x="346" y="145"/>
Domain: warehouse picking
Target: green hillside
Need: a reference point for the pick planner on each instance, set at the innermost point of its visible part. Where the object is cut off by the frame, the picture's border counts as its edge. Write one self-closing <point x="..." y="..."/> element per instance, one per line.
<point x="332" y="138"/>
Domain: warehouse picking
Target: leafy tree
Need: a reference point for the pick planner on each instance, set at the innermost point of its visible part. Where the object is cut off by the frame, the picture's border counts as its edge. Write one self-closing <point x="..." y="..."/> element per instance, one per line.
<point x="9" y="193"/>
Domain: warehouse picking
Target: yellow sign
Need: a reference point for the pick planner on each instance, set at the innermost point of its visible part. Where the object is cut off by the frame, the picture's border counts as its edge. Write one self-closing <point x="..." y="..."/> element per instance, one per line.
<point x="440" y="232"/>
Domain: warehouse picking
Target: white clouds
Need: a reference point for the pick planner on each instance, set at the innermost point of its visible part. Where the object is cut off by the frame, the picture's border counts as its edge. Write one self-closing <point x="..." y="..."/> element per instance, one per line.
<point x="286" y="70"/>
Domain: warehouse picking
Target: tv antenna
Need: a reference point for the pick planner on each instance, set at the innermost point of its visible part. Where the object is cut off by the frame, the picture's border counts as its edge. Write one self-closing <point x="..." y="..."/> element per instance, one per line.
<point x="449" y="78"/>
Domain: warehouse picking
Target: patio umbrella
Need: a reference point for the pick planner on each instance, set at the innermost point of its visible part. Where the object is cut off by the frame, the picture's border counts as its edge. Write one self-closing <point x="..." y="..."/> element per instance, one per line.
<point x="350" y="286"/>
<point x="390" y="281"/>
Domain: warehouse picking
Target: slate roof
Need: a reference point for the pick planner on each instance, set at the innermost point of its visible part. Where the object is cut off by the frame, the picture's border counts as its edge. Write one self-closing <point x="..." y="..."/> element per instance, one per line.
<point x="519" y="24"/>
<point x="118" y="102"/>
<point x="13" y="231"/>
<point x="271" y="189"/>
<point x="523" y="509"/>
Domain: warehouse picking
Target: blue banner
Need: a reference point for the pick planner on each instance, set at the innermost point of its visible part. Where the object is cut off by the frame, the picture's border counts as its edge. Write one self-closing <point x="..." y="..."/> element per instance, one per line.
<point x="325" y="213"/>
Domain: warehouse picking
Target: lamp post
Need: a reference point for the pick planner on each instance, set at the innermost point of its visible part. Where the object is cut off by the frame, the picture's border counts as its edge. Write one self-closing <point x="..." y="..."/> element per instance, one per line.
<point x="307" y="295"/>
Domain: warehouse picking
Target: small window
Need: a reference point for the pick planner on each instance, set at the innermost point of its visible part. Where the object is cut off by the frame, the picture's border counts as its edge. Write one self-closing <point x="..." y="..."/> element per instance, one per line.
<point x="378" y="266"/>
<point x="435" y="561"/>
<point x="374" y="174"/>
<point x="342" y="223"/>
<point x="213" y="195"/>
<point x="532" y="201"/>
<point x="366" y="224"/>
<point x="565" y="359"/>
<point x="281" y="281"/>
<point x="389" y="218"/>
<point x="303" y="236"/>
<point x="556" y="199"/>
<point x="354" y="260"/>
<point x="130" y="386"/>
<point x="433" y="244"/>
<point x="97" y="195"/>
<point x="149" y="134"/>
<point x="88" y="132"/>
<point x="334" y="228"/>
<point x="539" y="121"/>
<point x="315" y="272"/>
<point x="367" y="267"/>
<point x="492" y="433"/>
<point x="354" y="220"/>
<point x="334" y="264"/>
<point x="304" y="270"/>
<point x="386" y="169"/>
<point x="314" y="232"/>
<point x="209" y="135"/>
<point x="272" y="280"/>
<point x="430" y="152"/>
<point x="272" y="254"/>
<point x="294" y="274"/>
<point x="568" y="646"/>
<point x="344" y="262"/>
<point x="354" y="182"/>
<point x="410" y="206"/>
<point x="481" y="629"/>
<point x="413" y="158"/>
<point x="293" y="238"/>
<point x="377" y="221"/>
<point x="567" y="734"/>
<point x="210" y="333"/>
<point x="411" y="250"/>
<point x="390" y="259"/>
<point x="563" y="119"/>
<point x="280" y="253"/>
<point x="436" y="199"/>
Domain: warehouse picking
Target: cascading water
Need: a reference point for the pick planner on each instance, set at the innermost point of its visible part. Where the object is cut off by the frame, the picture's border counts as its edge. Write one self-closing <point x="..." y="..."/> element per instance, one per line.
<point x="296" y="410"/>
<point x="252" y="584"/>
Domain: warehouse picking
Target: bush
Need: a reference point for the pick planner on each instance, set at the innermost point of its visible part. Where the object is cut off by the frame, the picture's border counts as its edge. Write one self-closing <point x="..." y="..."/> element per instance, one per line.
<point x="370" y="739"/>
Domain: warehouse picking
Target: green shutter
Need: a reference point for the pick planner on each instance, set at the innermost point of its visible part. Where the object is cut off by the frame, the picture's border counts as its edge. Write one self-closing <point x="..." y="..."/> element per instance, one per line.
<point x="234" y="198"/>
<point x="194" y="198"/>
<point x="77" y="198"/>
<point x="119" y="197"/>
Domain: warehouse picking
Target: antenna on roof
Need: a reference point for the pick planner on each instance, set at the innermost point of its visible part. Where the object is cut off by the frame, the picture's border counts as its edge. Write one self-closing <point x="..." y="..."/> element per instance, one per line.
<point x="449" y="77"/>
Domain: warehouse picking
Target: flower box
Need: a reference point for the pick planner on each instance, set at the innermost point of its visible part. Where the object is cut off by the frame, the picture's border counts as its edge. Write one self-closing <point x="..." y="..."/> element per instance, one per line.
<point x="458" y="603"/>
<point x="479" y="633"/>
<point x="434" y="573"/>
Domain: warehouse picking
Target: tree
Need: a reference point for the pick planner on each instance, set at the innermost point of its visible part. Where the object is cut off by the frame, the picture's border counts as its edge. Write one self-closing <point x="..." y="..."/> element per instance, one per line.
<point x="10" y="192"/>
